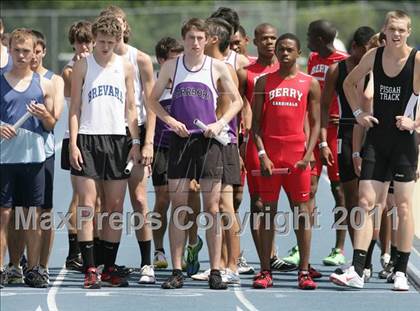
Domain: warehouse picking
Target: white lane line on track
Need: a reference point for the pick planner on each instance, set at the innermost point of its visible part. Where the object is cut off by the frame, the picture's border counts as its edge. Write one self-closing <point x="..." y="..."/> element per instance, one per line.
<point x="241" y="297"/>
<point x="51" y="302"/>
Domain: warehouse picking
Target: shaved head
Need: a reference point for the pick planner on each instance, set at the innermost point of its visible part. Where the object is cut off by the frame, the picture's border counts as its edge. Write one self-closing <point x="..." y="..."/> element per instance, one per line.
<point x="324" y="29"/>
<point x="261" y="28"/>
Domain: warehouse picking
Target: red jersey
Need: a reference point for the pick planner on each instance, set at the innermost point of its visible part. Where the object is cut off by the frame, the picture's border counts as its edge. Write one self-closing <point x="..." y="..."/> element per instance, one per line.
<point x="252" y="59"/>
<point x="318" y="67"/>
<point x="285" y="107"/>
<point x="254" y="71"/>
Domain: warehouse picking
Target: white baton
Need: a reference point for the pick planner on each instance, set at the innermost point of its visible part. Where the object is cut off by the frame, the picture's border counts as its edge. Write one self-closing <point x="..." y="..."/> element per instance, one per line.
<point x="204" y="127"/>
<point x="129" y="167"/>
<point x="22" y="120"/>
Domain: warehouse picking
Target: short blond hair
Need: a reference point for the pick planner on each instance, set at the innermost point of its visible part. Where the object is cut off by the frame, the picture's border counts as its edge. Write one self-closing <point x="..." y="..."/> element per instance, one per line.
<point x="107" y="25"/>
<point x="397" y="14"/>
<point x="21" y="35"/>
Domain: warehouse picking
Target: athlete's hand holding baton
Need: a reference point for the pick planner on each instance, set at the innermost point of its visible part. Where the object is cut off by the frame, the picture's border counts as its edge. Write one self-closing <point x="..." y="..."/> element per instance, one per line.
<point x="8" y="131"/>
<point x="209" y="130"/>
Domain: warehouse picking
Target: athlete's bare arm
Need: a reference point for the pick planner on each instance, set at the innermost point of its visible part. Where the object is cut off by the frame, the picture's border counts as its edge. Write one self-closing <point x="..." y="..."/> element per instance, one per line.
<point x="241" y="61"/>
<point x="246" y="110"/>
<point x="77" y="80"/>
<point x="257" y="112"/>
<point x="45" y="112"/>
<point x="404" y="123"/>
<point x="327" y="96"/>
<point x="350" y="88"/>
<point x="146" y="73"/>
<point x="66" y="75"/>
<point x="166" y="73"/>
<point x="131" y="109"/>
<point x="221" y="73"/>
<point x="314" y="122"/>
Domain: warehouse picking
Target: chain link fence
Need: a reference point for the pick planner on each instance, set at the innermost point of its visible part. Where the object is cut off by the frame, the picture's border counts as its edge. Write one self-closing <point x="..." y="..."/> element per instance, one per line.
<point x="149" y="24"/>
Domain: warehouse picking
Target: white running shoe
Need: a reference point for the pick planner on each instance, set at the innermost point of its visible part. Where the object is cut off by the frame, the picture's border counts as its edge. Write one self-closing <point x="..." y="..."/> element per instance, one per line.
<point x="367" y="274"/>
<point x="147" y="275"/>
<point x="243" y="266"/>
<point x="230" y="277"/>
<point x="349" y="278"/>
<point x="203" y="276"/>
<point x="14" y="275"/>
<point x="385" y="258"/>
<point x="400" y="282"/>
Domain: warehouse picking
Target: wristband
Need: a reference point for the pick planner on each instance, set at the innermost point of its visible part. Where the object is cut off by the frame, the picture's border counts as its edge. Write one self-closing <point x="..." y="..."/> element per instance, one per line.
<point x="135" y="141"/>
<point x="323" y="145"/>
<point x="355" y="155"/>
<point x="357" y="112"/>
<point x="261" y="153"/>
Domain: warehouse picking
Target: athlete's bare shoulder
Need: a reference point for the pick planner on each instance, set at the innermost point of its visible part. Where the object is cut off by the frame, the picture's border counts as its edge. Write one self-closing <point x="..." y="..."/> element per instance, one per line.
<point x="241" y="61"/>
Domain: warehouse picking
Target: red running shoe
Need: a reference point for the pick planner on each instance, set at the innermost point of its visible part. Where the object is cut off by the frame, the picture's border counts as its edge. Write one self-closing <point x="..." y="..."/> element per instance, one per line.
<point x="114" y="278"/>
<point x="314" y="273"/>
<point x="92" y="280"/>
<point x="257" y="276"/>
<point x="264" y="280"/>
<point x="305" y="280"/>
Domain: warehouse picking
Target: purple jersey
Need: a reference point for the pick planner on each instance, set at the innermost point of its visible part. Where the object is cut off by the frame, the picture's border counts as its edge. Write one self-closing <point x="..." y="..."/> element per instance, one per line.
<point x="162" y="129"/>
<point x="194" y="94"/>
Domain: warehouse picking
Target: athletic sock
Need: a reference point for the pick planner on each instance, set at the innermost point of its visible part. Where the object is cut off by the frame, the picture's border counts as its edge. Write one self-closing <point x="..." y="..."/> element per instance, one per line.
<point x="402" y="261"/>
<point x="368" y="261"/>
<point x="359" y="257"/>
<point x="98" y="251"/>
<point x="86" y="248"/>
<point x="110" y="250"/>
<point x="145" y="251"/>
<point x="74" y="248"/>
<point x="394" y="254"/>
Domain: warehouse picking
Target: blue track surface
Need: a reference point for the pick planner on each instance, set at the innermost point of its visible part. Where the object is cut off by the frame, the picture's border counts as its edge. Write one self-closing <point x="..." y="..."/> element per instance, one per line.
<point x="66" y="292"/>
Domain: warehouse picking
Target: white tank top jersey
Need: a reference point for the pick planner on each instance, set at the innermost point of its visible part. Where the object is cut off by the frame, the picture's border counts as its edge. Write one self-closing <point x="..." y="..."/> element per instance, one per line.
<point x="131" y="56"/>
<point x="231" y="59"/>
<point x="103" y="98"/>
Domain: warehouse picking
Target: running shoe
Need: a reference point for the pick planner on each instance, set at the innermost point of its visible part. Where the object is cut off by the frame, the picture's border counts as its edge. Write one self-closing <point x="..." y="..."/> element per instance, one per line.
<point x="400" y="282"/>
<point x="203" y="276"/>
<point x="23" y="263"/>
<point x="280" y="265"/>
<point x="385" y="258"/>
<point x="349" y="278"/>
<point x="367" y="273"/>
<point x="305" y="281"/>
<point x="264" y="280"/>
<point x="34" y="279"/>
<point x="230" y="277"/>
<point x="159" y="260"/>
<point x="3" y="278"/>
<point x="389" y="268"/>
<point x="335" y="258"/>
<point x="45" y="274"/>
<point x="123" y="270"/>
<point x="176" y="280"/>
<point x="391" y="277"/>
<point x="315" y="274"/>
<point x="14" y="274"/>
<point x="92" y="280"/>
<point x="112" y="277"/>
<point x="215" y="280"/>
<point x="75" y="263"/>
<point x="243" y="266"/>
<point x="293" y="256"/>
<point x="147" y="275"/>
<point x="193" y="265"/>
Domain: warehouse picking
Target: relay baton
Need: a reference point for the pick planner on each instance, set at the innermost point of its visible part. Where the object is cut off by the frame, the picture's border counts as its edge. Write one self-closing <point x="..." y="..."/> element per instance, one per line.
<point x="22" y="120"/>
<point x="204" y="127"/>
<point x="274" y="171"/>
<point x="129" y="167"/>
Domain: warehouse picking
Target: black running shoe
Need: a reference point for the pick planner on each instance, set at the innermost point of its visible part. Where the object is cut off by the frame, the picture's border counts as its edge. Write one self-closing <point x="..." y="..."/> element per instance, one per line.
<point x="282" y="266"/>
<point x="389" y="268"/>
<point x="34" y="279"/>
<point x="75" y="263"/>
<point x="123" y="270"/>
<point x="176" y="280"/>
<point x="24" y="264"/>
<point x="3" y="279"/>
<point x="215" y="280"/>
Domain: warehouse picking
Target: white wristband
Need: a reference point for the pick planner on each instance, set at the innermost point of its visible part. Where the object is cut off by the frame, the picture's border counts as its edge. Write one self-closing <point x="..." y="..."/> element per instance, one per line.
<point x="261" y="153"/>
<point x="357" y="112"/>
<point x="355" y="155"/>
<point x="323" y="145"/>
<point x="135" y="141"/>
